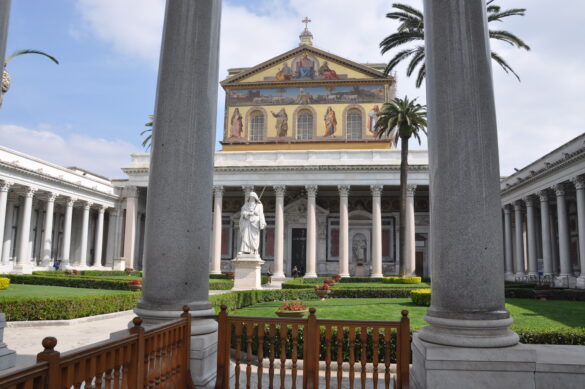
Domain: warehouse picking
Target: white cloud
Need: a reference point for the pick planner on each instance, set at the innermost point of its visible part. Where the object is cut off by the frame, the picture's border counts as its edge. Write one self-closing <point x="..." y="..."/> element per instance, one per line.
<point x="98" y="155"/>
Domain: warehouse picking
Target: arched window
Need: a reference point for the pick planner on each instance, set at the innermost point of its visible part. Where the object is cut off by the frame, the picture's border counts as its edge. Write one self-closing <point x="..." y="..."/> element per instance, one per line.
<point x="257" y="126"/>
<point x="354" y="124"/>
<point x="305" y="125"/>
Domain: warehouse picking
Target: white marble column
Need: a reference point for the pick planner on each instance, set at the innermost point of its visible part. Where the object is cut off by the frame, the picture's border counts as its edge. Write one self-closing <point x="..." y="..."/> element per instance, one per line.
<point x="131" y="193"/>
<point x="278" y="275"/>
<point x="311" y="270"/>
<point x="84" y="235"/>
<point x="519" y="266"/>
<point x="508" y="249"/>
<point x="23" y="261"/>
<point x="409" y="262"/>
<point x="66" y="259"/>
<point x="48" y="235"/>
<point x="99" y="237"/>
<point x="343" y="231"/>
<point x="377" y="271"/>
<point x="111" y="238"/>
<point x="564" y="238"/>
<point x="579" y="183"/>
<point x="545" y="233"/>
<point x="217" y="226"/>
<point x="4" y="188"/>
<point x="531" y="227"/>
<point x="7" y="242"/>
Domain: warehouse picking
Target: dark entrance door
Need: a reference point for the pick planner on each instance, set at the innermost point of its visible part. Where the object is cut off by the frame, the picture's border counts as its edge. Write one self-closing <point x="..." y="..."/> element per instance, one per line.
<point x="419" y="262"/>
<point x="299" y="249"/>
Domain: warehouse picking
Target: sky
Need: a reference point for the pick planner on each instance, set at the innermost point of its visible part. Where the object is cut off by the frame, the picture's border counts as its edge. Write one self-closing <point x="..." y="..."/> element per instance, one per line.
<point x="89" y="110"/>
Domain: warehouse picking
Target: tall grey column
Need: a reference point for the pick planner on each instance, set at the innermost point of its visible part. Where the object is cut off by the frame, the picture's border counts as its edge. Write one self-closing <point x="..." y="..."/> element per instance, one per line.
<point x="467" y="307"/>
<point x="4" y="18"/>
<point x="99" y="236"/>
<point x="23" y="260"/>
<point x="4" y="187"/>
<point x="579" y="183"/>
<point x="376" y="231"/>
<point x="66" y="259"/>
<point x="564" y="238"/>
<point x="531" y="227"/>
<point x="343" y="231"/>
<point x="279" y="233"/>
<point x="409" y="262"/>
<point x="48" y="236"/>
<point x="311" y="270"/>
<point x="176" y="267"/>
<point x="217" y="224"/>
<point x="508" y="251"/>
<point x="545" y="232"/>
<point x="84" y="234"/>
<point x="131" y="193"/>
<point x="111" y="238"/>
<point x="7" y="242"/>
<point x="519" y="238"/>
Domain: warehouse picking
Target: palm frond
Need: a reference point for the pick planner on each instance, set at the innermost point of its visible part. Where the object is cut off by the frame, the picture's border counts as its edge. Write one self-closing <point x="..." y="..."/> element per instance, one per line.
<point x="400" y="38"/>
<point x="417" y="59"/>
<point x="397" y="58"/>
<point x="497" y="16"/>
<point x="408" y="9"/>
<point x="422" y="73"/>
<point x="28" y="51"/>
<point x="509" y="38"/>
<point x="500" y="61"/>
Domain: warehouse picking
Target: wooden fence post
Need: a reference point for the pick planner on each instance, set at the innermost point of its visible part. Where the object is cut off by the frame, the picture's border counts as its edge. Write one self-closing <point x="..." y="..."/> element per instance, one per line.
<point x="137" y="373"/>
<point x="53" y="358"/>
<point x="311" y="351"/>
<point x="187" y="379"/>
<point x="403" y="354"/>
<point x="223" y="350"/>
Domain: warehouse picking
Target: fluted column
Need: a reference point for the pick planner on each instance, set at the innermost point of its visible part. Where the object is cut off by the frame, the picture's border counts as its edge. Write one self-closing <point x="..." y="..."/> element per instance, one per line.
<point x="48" y="236"/>
<point x="377" y="271"/>
<point x="409" y="262"/>
<point x="311" y="271"/>
<point x="531" y="226"/>
<point x="279" y="233"/>
<point x="545" y="232"/>
<point x="508" y="250"/>
<point x="7" y="242"/>
<point x="66" y="259"/>
<point x="343" y="231"/>
<point x="4" y="187"/>
<point x="579" y="183"/>
<point x="519" y="238"/>
<point x="130" y="228"/>
<point x="99" y="236"/>
<point x="84" y="234"/>
<point x="23" y="261"/>
<point x="564" y="238"/>
<point x="111" y="243"/>
<point x="217" y="224"/>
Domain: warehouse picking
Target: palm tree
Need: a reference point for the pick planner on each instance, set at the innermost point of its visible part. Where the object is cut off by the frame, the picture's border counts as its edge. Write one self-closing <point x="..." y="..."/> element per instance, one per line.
<point x="6" y="80"/>
<point x="402" y="119"/>
<point x="411" y="29"/>
<point x="147" y="141"/>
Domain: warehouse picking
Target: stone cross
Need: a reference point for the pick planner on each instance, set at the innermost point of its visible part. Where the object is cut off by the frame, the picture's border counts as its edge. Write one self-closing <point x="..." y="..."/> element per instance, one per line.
<point x="306" y="20"/>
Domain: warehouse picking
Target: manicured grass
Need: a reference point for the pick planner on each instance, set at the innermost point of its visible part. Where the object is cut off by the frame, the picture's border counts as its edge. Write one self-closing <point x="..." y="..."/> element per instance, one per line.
<point x="379" y="285"/>
<point x="526" y="313"/>
<point x="20" y="290"/>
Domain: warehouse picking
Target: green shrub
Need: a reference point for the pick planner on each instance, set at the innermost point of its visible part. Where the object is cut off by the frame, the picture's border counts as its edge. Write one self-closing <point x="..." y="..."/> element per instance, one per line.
<point x="4" y="283"/>
<point x="572" y="336"/>
<point x="303" y="283"/>
<point x="65" y="308"/>
<point x="91" y="273"/>
<point x="402" y="280"/>
<point x="264" y="279"/>
<point x="349" y="280"/>
<point x="221" y="284"/>
<point x="219" y="277"/>
<point x="421" y="297"/>
<point x="522" y="293"/>
<point x="516" y="284"/>
<point x="70" y="281"/>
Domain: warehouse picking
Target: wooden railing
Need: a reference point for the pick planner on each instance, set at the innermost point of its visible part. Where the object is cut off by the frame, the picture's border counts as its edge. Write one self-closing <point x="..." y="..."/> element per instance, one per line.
<point x="317" y="348"/>
<point x="158" y="358"/>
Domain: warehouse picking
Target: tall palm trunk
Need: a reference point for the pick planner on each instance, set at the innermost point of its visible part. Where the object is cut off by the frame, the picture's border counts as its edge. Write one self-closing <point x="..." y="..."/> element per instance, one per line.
<point x="403" y="192"/>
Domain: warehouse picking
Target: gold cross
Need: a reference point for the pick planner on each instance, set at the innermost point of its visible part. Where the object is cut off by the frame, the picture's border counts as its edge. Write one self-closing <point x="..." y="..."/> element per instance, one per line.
<point x="306" y="20"/>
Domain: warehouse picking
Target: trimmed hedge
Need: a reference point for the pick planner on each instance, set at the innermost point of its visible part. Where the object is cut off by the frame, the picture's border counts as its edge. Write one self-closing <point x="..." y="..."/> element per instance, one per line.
<point x="303" y="283"/>
<point x="220" y="284"/>
<point x="549" y="294"/>
<point x="349" y="280"/>
<point x="219" y="277"/>
<point x="402" y="280"/>
<point x="65" y="308"/>
<point x="573" y="336"/>
<point x="4" y="283"/>
<point x="71" y="282"/>
<point x="421" y="297"/>
<point x="91" y="273"/>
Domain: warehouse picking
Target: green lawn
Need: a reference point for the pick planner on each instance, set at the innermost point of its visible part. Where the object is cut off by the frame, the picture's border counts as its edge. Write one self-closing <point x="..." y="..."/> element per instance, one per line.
<point x="379" y="285"/>
<point x="20" y="290"/>
<point x="526" y="313"/>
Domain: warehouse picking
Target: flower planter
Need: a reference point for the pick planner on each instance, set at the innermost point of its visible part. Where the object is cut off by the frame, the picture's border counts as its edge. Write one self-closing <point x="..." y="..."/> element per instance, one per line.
<point x="291" y="313"/>
<point x="135" y="287"/>
<point x="322" y="294"/>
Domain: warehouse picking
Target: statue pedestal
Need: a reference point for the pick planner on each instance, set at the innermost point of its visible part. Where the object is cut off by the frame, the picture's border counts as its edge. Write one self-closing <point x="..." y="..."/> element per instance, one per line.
<point x="247" y="273"/>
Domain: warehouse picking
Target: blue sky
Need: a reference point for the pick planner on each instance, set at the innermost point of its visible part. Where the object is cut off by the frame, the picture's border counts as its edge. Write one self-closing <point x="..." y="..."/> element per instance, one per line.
<point x="89" y="110"/>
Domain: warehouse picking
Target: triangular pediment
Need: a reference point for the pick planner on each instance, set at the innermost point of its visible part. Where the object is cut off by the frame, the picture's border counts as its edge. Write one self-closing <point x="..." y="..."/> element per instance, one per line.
<point x="305" y="64"/>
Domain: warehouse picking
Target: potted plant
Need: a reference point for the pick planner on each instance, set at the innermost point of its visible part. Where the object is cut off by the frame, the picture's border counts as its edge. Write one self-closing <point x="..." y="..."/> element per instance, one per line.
<point x="329" y="281"/>
<point x="322" y="291"/>
<point x="292" y="309"/>
<point x="336" y="277"/>
<point x="128" y="271"/>
<point x="75" y="272"/>
<point x="135" y="285"/>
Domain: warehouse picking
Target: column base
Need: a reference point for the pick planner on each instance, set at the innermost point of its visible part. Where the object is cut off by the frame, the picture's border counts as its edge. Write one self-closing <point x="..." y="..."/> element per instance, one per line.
<point x="119" y="264"/>
<point x="22" y="268"/>
<point x="469" y="333"/>
<point x="203" y="341"/>
<point x="344" y="275"/>
<point x="278" y="277"/>
<point x="509" y="277"/>
<point x="310" y="275"/>
<point x="215" y="272"/>
<point x="519" y="275"/>
<point x="580" y="282"/>
<point x="377" y="275"/>
<point x="564" y="281"/>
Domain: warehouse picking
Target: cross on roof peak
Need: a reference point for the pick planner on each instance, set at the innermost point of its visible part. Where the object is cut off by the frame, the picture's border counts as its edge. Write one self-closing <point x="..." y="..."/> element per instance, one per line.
<point x="306" y="20"/>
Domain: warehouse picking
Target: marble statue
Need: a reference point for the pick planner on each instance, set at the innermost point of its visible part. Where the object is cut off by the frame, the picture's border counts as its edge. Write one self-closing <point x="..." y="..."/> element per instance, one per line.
<point x="251" y="222"/>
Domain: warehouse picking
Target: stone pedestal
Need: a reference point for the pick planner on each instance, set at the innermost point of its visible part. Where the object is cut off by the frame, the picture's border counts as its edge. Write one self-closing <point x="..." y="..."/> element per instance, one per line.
<point x="247" y="271"/>
<point x="581" y="282"/>
<point x="22" y="268"/>
<point x="7" y="356"/>
<point x="119" y="264"/>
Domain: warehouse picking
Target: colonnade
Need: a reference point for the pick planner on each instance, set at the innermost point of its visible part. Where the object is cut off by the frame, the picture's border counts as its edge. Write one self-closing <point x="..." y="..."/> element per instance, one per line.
<point x="311" y="242"/>
<point x="519" y="262"/>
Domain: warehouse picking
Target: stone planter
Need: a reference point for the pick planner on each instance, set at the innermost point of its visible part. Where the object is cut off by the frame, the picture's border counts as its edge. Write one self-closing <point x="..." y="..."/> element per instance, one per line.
<point x="291" y="313"/>
<point x="322" y="294"/>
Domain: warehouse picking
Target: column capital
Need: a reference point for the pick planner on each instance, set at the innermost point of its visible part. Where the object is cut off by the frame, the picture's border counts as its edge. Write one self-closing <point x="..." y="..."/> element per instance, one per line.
<point x="543" y="195"/>
<point x="343" y="190"/>
<point x="218" y="190"/>
<point x="279" y="190"/>
<point x="518" y="205"/>
<point x="508" y="208"/>
<point x="86" y="204"/>
<point x="579" y="182"/>
<point x="559" y="189"/>
<point x="29" y="191"/>
<point x="70" y="201"/>
<point x="311" y="190"/>
<point x="102" y="208"/>
<point x="5" y="185"/>
<point x="51" y="196"/>
<point x="376" y="189"/>
<point x="131" y="191"/>
<point x="529" y="200"/>
<point x="410" y="189"/>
